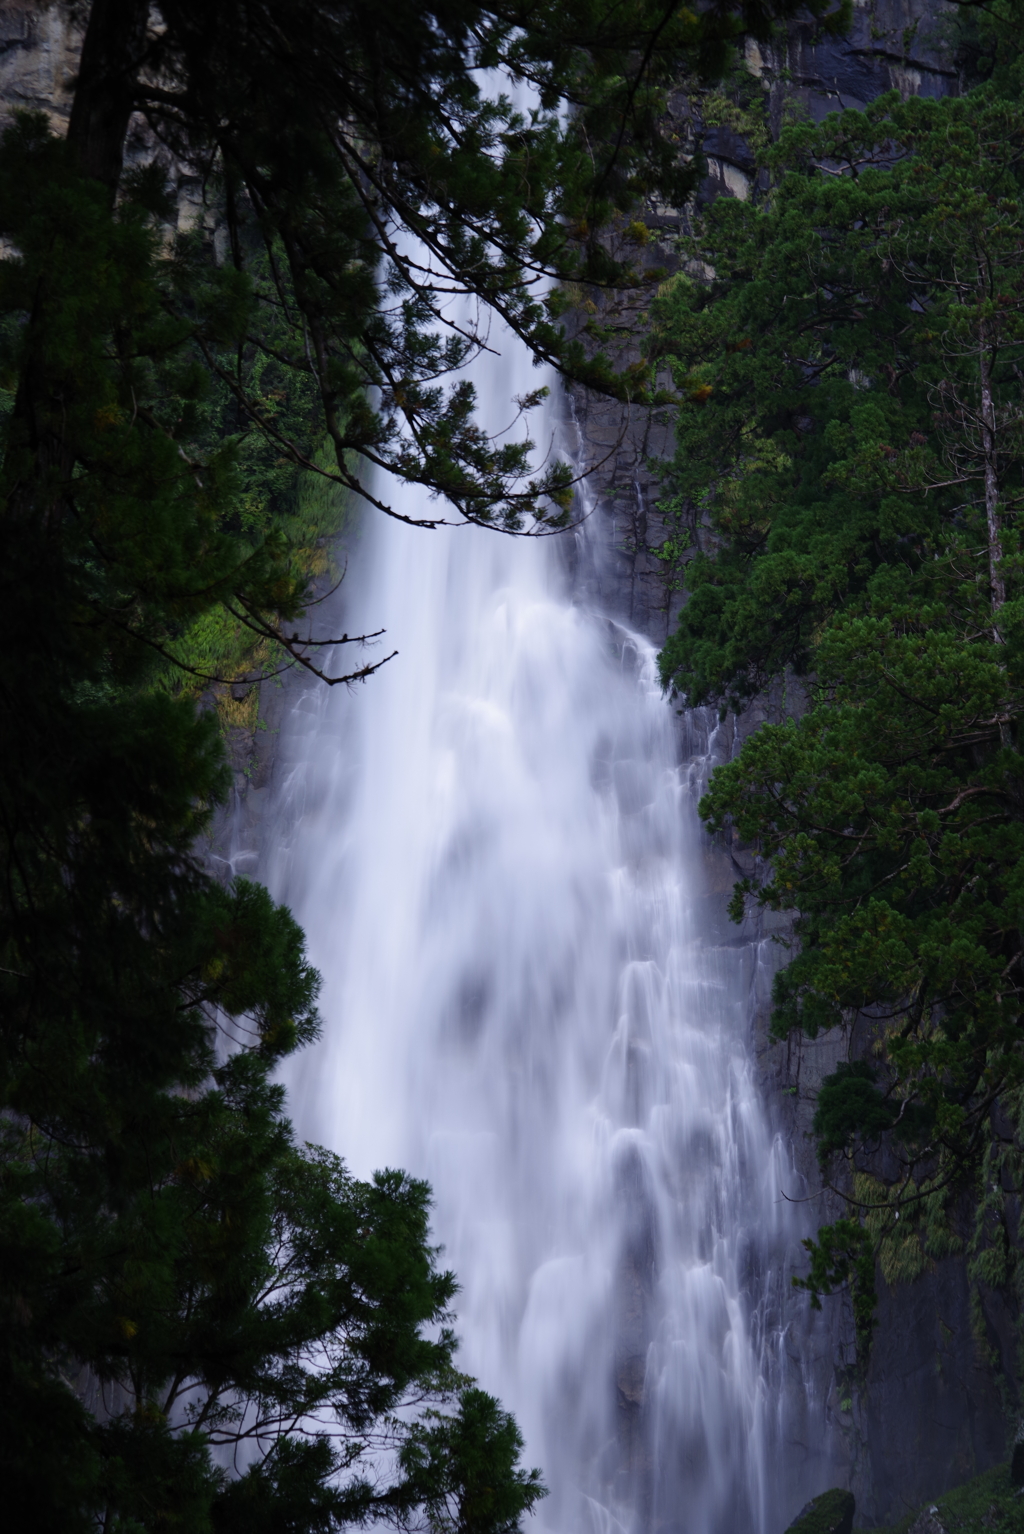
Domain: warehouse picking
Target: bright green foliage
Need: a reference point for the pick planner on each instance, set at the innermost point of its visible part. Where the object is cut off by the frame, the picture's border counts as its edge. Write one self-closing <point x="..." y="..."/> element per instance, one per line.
<point x="853" y="447"/>
<point x="121" y="412"/>
<point x="468" y="1467"/>
<point x="844" y="1257"/>
<point x="830" y="374"/>
<point x="985" y="35"/>
<point x="245" y="1286"/>
<point x="849" y="1104"/>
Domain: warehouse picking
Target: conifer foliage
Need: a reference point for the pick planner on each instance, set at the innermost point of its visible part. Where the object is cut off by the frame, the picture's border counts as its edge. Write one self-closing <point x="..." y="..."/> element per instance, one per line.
<point x="852" y="443"/>
<point x="178" y="1275"/>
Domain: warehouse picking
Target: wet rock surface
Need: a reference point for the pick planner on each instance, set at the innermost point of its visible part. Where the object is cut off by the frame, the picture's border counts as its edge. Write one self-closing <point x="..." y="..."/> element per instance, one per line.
<point x="927" y="1522"/>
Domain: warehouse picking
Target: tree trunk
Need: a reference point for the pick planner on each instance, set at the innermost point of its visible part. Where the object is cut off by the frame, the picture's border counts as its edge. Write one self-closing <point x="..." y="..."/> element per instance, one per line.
<point x="112" y="55"/>
<point x="988" y="431"/>
<point x="995" y="536"/>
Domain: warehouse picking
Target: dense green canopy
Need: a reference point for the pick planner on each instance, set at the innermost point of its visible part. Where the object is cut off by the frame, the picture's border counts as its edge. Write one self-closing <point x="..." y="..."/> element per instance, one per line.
<point x="852" y="446"/>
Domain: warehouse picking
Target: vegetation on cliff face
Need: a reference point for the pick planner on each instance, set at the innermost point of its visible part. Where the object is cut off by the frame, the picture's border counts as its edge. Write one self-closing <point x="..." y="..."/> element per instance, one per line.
<point x="988" y="1504"/>
<point x="204" y="1325"/>
<point x="852" y="443"/>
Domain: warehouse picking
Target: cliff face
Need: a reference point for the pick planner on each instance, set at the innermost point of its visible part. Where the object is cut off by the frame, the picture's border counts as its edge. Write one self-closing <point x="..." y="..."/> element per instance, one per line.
<point x="39" y="49"/>
<point x="38" y="58"/>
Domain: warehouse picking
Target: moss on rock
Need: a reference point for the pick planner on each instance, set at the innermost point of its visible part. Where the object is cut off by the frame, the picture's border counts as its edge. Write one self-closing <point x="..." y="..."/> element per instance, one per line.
<point x="831" y="1513"/>
<point x="990" y="1504"/>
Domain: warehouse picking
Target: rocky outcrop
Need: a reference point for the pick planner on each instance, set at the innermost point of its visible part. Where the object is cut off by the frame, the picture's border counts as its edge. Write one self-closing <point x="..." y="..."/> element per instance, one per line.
<point x="39" y="49"/>
<point x="987" y="1504"/>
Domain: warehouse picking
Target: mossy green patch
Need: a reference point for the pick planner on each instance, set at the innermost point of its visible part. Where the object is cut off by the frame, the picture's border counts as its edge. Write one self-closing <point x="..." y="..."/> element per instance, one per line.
<point x="831" y="1513"/>
<point x="989" y="1504"/>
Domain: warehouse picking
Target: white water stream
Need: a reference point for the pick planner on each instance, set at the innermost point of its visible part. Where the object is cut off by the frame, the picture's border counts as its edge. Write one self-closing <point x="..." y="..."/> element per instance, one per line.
<point x="494" y="851"/>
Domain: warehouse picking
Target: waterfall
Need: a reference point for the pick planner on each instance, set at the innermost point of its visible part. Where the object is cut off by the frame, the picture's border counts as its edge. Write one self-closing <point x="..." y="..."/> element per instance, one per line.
<point x="531" y="999"/>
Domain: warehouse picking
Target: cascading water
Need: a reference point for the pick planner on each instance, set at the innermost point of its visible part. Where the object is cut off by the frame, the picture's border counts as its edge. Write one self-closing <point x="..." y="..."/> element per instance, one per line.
<point x="494" y="852"/>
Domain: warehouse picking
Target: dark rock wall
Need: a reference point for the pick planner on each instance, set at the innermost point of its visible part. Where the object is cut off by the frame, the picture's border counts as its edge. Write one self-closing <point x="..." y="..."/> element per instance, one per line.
<point x="38" y="59"/>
